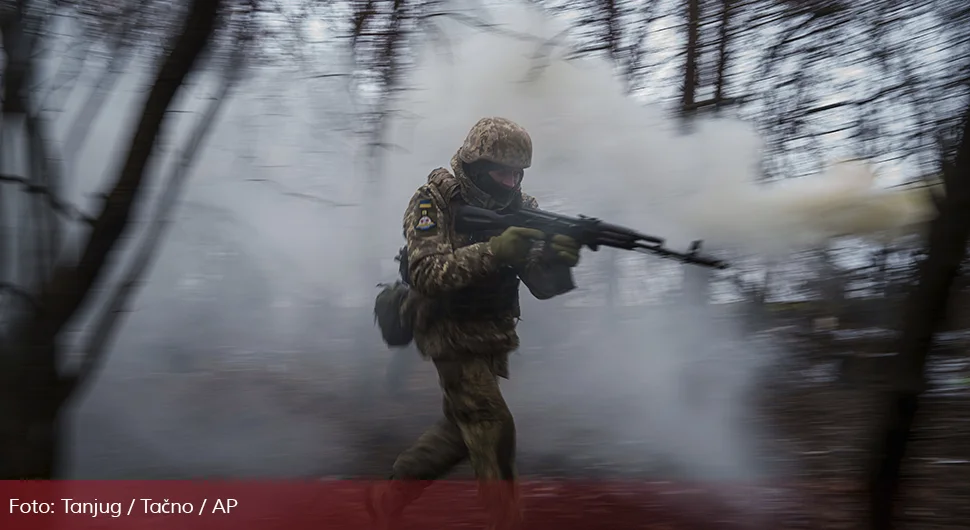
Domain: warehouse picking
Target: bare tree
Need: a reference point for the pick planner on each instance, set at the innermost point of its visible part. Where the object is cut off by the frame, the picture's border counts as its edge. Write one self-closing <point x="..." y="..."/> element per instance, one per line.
<point x="132" y="18"/>
<point x="34" y="386"/>
<point x="110" y="317"/>
<point x="925" y="310"/>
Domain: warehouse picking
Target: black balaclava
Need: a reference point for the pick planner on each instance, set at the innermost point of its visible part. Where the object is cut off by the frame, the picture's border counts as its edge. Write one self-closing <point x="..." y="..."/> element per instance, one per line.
<point x="478" y="173"/>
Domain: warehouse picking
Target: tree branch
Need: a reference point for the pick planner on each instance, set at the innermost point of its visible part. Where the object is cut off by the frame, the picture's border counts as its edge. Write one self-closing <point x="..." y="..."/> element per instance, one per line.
<point x="70" y="286"/>
<point x="131" y="19"/>
<point x="107" y="323"/>
<point x="18" y="293"/>
<point x="58" y="205"/>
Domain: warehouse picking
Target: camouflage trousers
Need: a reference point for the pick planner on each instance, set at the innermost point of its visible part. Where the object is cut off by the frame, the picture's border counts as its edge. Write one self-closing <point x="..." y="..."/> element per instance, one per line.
<point x="478" y="426"/>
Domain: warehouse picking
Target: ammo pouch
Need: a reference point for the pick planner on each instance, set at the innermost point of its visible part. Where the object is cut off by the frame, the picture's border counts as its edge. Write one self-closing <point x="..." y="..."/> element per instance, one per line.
<point x="390" y="315"/>
<point x="495" y="296"/>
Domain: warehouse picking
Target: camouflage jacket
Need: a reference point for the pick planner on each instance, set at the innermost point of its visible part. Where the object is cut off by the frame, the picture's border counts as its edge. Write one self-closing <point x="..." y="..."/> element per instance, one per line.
<point x="467" y="303"/>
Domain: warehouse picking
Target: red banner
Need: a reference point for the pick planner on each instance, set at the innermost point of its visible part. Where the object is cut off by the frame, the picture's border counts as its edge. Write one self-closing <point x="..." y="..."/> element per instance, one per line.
<point x="339" y="505"/>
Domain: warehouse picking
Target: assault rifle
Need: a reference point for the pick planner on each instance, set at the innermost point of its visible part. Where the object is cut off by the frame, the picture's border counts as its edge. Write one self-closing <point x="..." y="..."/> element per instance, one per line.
<point x="587" y="231"/>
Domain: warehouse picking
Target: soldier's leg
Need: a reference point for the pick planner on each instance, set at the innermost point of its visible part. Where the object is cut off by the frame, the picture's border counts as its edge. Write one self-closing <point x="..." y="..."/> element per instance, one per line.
<point x="433" y="455"/>
<point x="436" y="452"/>
<point x="474" y="402"/>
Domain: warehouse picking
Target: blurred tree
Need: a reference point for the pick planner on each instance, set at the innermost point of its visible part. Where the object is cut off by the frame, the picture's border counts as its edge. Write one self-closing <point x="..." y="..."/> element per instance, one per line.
<point x="35" y="385"/>
<point x="924" y="313"/>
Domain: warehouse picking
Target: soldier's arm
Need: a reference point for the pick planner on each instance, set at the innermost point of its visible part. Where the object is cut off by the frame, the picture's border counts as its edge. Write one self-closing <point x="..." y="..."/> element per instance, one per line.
<point x="545" y="279"/>
<point x="433" y="266"/>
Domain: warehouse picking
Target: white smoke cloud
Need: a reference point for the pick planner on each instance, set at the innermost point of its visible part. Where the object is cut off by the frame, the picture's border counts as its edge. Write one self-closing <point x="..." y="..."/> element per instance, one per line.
<point x="599" y="151"/>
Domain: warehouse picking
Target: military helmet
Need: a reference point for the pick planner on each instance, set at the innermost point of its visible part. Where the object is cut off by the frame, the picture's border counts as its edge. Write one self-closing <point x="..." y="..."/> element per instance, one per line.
<point x="497" y="140"/>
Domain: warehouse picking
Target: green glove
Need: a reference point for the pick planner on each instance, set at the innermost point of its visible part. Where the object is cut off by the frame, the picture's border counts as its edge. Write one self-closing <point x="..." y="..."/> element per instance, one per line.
<point x="513" y="245"/>
<point x="565" y="249"/>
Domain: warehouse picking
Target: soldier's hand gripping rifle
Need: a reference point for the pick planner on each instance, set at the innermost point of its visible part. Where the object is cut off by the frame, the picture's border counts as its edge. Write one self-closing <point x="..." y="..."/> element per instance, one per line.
<point x="587" y="231"/>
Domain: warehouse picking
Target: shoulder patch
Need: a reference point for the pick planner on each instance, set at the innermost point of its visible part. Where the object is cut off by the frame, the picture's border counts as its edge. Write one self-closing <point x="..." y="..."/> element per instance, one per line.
<point x="426" y="215"/>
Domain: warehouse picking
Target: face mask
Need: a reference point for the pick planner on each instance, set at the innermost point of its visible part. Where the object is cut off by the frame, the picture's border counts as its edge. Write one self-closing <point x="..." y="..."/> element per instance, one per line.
<point x="498" y="181"/>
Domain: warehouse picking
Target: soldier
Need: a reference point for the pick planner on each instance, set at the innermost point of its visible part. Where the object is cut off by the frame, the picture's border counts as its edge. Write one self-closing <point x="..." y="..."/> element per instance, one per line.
<point x="465" y="301"/>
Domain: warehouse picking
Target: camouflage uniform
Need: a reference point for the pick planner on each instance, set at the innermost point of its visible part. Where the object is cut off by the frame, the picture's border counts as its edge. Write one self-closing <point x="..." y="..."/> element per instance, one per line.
<point x="466" y="305"/>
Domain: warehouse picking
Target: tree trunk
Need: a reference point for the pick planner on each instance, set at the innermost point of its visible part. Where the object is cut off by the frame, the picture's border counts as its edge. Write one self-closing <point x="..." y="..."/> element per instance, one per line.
<point x="28" y="408"/>
<point x="722" y="53"/>
<point x="32" y="391"/>
<point x="689" y="89"/>
<point x="924" y="312"/>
